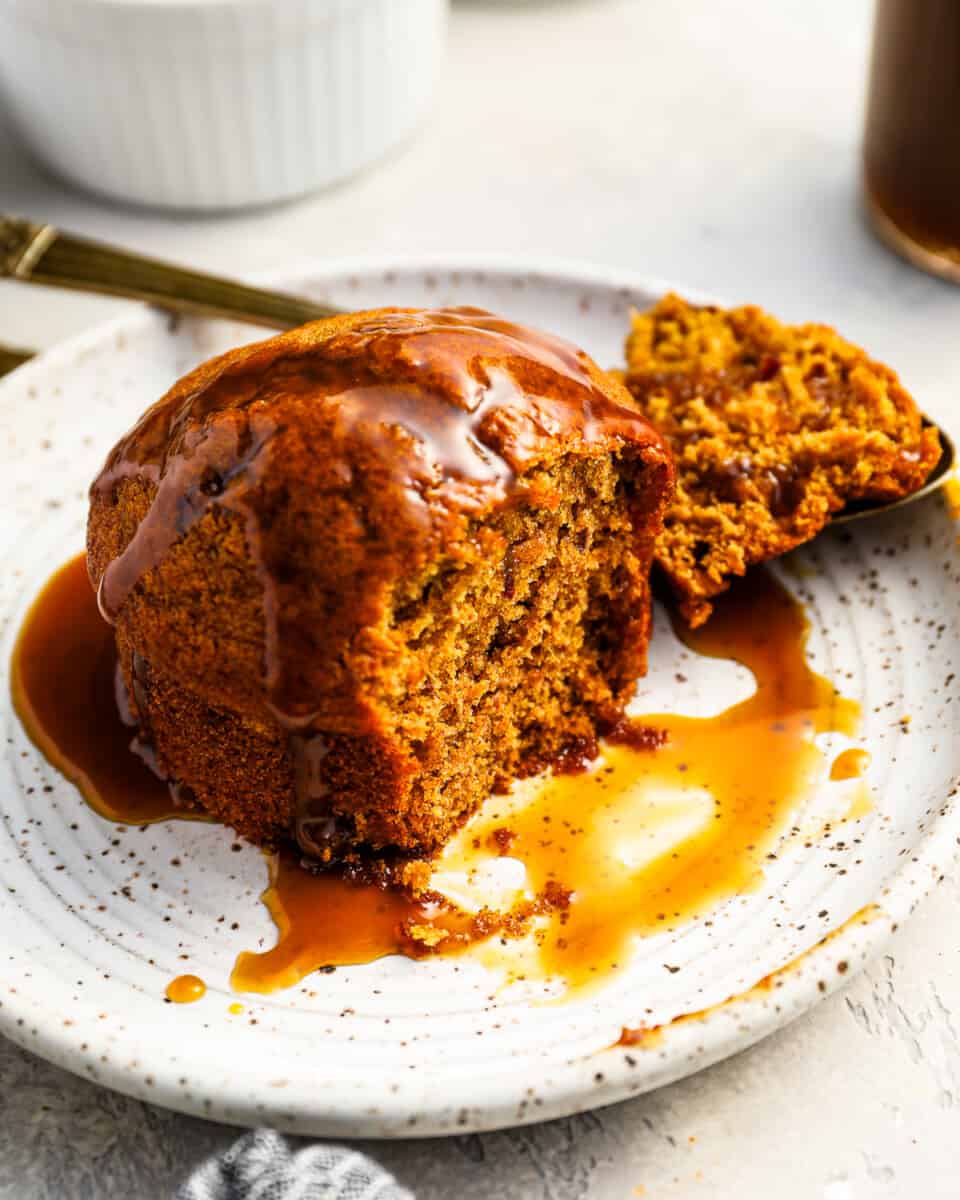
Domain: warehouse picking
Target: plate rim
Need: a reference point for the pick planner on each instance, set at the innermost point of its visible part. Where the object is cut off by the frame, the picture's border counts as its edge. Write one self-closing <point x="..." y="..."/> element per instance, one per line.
<point x="581" y="1082"/>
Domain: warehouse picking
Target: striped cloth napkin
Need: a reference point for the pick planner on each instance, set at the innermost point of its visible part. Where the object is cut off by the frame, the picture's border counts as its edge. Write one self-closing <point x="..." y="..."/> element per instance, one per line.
<point x="261" y="1166"/>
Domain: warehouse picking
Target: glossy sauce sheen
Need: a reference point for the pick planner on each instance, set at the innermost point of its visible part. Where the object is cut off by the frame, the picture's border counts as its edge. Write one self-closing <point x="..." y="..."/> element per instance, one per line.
<point x="63" y="680"/>
<point x="186" y="989"/>
<point x="407" y="423"/>
<point x="651" y="836"/>
<point x="679" y="786"/>
<point x="710" y="803"/>
<point x="324" y="921"/>
<point x="850" y="764"/>
<point x="426" y="373"/>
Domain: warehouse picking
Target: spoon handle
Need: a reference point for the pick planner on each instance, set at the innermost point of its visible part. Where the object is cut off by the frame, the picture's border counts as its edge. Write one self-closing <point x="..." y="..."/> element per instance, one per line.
<point x="12" y="357"/>
<point x="36" y="253"/>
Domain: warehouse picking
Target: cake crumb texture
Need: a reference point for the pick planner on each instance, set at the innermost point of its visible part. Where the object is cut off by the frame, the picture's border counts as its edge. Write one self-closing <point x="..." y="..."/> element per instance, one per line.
<point x="774" y="428"/>
<point x="368" y="571"/>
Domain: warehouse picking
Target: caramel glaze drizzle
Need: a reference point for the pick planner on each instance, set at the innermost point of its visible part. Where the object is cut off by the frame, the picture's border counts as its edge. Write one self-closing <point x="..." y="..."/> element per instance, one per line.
<point x="584" y="838"/>
<point x="850" y="764"/>
<point x="64" y="684"/>
<point x="405" y="423"/>
<point x="586" y="899"/>
<point x="186" y="989"/>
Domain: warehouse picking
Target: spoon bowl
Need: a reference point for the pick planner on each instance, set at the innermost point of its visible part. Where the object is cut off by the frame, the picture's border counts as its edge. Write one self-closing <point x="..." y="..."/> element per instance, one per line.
<point x="861" y="510"/>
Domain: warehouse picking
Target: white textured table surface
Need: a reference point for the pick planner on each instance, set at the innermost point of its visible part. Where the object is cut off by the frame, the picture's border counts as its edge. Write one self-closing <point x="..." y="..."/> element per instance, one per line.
<point x="712" y="143"/>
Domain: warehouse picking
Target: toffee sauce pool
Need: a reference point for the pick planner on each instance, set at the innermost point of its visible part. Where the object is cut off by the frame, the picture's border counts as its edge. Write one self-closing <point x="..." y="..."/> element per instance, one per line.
<point x="664" y="826"/>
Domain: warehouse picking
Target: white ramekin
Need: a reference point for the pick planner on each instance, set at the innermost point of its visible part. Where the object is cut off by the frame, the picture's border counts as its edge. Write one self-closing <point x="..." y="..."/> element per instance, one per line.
<point x="213" y="104"/>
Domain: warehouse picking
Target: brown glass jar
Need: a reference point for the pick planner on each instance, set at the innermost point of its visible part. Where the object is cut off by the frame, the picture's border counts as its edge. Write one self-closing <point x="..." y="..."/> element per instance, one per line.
<point x="912" y="144"/>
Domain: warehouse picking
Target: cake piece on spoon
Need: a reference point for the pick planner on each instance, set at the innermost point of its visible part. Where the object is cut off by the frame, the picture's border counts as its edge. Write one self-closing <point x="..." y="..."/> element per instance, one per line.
<point x="773" y="427"/>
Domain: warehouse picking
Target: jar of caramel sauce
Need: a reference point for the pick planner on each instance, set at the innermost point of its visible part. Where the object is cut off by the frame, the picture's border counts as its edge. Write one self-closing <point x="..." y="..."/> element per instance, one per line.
<point x="912" y="144"/>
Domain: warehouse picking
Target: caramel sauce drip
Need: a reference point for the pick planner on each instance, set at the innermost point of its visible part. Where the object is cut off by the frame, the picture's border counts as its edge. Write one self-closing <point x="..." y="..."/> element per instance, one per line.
<point x="404" y="424"/>
<point x="850" y="764"/>
<point x="666" y="824"/>
<point x="186" y="989"/>
<point x="63" y="682"/>
<point x="647" y="841"/>
<point x="710" y="803"/>
<point x="325" y="921"/>
<point x="848" y="768"/>
<point x="434" y="413"/>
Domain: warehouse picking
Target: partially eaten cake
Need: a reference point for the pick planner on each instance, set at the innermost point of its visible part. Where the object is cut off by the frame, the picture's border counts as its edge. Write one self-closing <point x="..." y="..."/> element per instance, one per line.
<point x="367" y="571"/>
<point x="774" y="428"/>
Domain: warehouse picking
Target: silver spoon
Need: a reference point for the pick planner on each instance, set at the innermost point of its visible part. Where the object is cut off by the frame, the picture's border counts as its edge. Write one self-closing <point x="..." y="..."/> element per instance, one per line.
<point x="860" y="509"/>
<point x="36" y="253"/>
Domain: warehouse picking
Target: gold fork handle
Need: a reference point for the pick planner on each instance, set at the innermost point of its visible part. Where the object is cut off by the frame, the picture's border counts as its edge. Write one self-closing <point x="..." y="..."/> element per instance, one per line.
<point x="11" y="358"/>
<point x="35" y="253"/>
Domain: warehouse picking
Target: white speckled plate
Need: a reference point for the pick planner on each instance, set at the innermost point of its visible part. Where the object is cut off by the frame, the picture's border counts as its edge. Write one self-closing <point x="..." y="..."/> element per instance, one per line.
<point x="97" y="919"/>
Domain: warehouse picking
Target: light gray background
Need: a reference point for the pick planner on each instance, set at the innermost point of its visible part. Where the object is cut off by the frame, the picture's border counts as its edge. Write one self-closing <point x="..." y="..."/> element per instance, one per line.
<point x="713" y="143"/>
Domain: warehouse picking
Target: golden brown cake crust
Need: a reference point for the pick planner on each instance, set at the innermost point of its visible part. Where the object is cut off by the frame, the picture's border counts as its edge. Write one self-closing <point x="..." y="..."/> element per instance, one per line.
<point x="331" y="559"/>
<point x="773" y="428"/>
